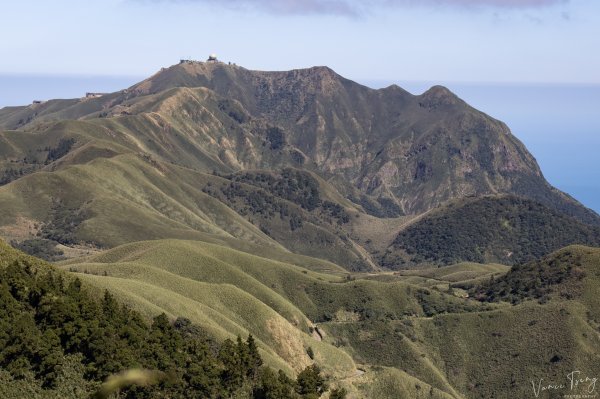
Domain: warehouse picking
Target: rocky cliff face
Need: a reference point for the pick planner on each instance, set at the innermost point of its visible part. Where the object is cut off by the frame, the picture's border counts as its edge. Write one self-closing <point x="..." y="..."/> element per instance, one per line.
<point x="410" y="153"/>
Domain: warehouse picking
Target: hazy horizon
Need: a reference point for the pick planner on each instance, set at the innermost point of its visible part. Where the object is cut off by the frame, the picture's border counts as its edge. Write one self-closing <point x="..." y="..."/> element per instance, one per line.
<point x="451" y="40"/>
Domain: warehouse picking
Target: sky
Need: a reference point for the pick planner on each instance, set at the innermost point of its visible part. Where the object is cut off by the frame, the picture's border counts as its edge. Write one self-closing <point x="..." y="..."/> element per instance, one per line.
<point x="534" y="64"/>
<point x="457" y="40"/>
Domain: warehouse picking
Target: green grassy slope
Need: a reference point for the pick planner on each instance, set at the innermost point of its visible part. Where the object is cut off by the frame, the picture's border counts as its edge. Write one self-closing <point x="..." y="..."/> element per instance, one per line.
<point x="458" y="272"/>
<point x="429" y="343"/>
<point x="127" y="166"/>
<point x="225" y="291"/>
<point x="391" y="383"/>
<point x="85" y="203"/>
<point x="228" y="292"/>
<point x="102" y="191"/>
<point x="499" y="352"/>
<point x="60" y="338"/>
<point x="319" y="296"/>
<point x="463" y="274"/>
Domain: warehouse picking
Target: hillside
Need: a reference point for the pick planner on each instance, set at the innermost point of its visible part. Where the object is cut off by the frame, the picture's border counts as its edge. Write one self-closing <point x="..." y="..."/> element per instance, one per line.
<point x="265" y="290"/>
<point x="561" y="274"/>
<point x="284" y="306"/>
<point x="506" y="229"/>
<point x="386" y="143"/>
<point x="500" y="352"/>
<point x="395" y="327"/>
<point x="73" y="318"/>
<point x="302" y="161"/>
<point x="57" y="339"/>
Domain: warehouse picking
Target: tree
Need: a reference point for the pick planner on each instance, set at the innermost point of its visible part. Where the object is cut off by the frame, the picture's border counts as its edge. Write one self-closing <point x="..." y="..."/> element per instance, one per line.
<point x="274" y="386"/>
<point x="254" y="359"/>
<point x="233" y="373"/>
<point x="310" y="384"/>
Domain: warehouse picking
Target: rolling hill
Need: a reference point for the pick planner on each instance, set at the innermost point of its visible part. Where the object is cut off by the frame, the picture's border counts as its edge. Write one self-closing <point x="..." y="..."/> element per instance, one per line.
<point x="400" y="327"/>
<point x="59" y="339"/>
<point x="221" y="291"/>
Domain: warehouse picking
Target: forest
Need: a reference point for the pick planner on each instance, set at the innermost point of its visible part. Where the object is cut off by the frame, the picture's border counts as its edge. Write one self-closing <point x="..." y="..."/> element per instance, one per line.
<point x="48" y="319"/>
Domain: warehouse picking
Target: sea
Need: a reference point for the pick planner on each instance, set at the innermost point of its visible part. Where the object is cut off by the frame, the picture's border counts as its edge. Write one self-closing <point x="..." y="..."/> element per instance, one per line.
<point x="559" y="123"/>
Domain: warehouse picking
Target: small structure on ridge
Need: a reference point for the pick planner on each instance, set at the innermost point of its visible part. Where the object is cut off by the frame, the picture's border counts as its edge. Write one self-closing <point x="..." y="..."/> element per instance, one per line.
<point x="94" y="95"/>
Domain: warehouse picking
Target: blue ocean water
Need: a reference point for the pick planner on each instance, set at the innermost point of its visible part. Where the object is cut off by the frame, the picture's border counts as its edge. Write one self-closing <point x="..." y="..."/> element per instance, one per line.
<point x="23" y="89"/>
<point x="559" y="124"/>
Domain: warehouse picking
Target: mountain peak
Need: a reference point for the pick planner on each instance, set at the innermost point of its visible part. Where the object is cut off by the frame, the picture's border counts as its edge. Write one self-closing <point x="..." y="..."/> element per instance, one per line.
<point x="438" y="96"/>
<point x="186" y="73"/>
<point x="221" y="77"/>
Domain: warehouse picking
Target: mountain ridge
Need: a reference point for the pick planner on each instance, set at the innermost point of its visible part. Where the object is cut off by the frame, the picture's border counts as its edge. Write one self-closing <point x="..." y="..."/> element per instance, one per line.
<point x="357" y="133"/>
<point x="386" y="153"/>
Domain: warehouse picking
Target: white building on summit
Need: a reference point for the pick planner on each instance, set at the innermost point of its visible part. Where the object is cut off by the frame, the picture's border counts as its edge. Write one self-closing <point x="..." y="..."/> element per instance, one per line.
<point x="211" y="58"/>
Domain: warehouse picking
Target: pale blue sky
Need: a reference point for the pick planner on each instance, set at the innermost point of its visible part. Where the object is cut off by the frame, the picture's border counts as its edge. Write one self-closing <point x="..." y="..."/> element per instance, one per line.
<point x="445" y="40"/>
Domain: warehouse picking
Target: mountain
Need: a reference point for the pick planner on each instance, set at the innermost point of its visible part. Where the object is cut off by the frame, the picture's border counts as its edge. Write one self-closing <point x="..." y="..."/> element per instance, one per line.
<point x="407" y="153"/>
<point x="213" y="150"/>
<point x="336" y="224"/>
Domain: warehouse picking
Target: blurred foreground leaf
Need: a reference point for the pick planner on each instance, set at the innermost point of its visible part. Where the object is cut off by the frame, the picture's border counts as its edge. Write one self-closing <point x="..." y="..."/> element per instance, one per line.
<point x="116" y="382"/>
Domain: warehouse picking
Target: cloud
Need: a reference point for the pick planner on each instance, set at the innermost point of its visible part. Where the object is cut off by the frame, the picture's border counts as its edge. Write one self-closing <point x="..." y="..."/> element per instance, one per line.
<point x="479" y="3"/>
<point x="289" y="7"/>
<point x="358" y="7"/>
